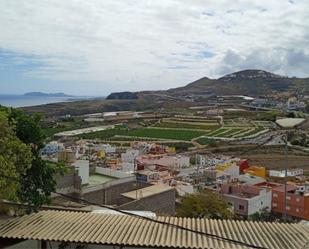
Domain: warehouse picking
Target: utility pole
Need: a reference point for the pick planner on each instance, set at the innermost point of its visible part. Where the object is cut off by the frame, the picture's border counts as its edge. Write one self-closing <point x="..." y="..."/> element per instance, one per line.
<point x="197" y="169"/>
<point x="285" y="176"/>
<point x="135" y="170"/>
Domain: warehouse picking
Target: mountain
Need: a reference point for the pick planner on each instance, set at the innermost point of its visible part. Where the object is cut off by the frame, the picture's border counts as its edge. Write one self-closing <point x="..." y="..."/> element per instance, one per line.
<point x="246" y="82"/>
<point x="41" y="94"/>
<point x="122" y="95"/>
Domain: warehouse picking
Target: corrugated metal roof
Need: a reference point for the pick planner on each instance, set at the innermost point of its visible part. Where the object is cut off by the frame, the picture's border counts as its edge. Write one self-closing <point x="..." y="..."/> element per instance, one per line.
<point x="127" y="230"/>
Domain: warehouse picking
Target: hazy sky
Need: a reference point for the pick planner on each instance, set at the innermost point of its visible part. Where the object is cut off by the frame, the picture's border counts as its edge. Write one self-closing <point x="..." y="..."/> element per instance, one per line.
<point x="93" y="47"/>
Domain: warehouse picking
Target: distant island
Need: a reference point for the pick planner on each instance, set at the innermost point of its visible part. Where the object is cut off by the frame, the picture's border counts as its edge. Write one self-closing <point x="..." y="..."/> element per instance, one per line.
<point x="41" y="94"/>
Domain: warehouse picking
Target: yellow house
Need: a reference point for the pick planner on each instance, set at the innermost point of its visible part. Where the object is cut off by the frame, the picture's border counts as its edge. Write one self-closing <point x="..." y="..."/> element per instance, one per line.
<point x="101" y="154"/>
<point x="171" y="150"/>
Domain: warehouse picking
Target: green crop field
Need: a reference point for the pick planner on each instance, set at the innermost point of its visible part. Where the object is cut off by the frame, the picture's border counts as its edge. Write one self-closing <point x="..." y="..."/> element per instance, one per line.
<point x="183" y="125"/>
<point x="256" y="130"/>
<point x="230" y="132"/>
<point x="104" y="134"/>
<point x="166" y="133"/>
<point x="216" y="132"/>
<point x="204" y="140"/>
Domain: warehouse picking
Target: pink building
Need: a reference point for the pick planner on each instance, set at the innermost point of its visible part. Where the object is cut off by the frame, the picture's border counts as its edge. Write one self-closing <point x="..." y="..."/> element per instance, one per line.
<point x="246" y="200"/>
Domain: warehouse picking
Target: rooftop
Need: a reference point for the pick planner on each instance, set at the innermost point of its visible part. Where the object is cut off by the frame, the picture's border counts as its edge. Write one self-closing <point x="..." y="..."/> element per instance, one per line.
<point x="289" y="188"/>
<point x="148" y="191"/>
<point x="289" y="122"/>
<point x="126" y="230"/>
<point x="97" y="179"/>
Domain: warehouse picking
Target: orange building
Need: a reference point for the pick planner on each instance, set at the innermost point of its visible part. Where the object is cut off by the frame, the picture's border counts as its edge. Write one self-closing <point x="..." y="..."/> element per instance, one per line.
<point x="297" y="201"/>
<point x="256" y="171"/>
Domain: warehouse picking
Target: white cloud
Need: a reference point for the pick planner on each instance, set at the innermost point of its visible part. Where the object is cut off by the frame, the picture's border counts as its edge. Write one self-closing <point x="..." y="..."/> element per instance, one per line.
<point x="154" y="44"/>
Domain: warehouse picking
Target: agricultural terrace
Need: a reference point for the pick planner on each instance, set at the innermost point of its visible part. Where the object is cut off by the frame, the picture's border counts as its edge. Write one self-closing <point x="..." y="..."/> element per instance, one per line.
<point x="188" y="124"/>
<point x="184" y="129"/>
<point x="173" y="134"/>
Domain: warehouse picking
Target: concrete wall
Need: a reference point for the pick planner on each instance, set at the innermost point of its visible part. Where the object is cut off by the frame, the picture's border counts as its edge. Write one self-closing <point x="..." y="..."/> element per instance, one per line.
<point x="69" y="183"/>
<point x="110" y="172"/>
<point x="239" y="205"/>
<point x="260" y="202"/>
<point x="161" y="204"/>
<point x="82" y="166"/>
<point x="111" y="194"/>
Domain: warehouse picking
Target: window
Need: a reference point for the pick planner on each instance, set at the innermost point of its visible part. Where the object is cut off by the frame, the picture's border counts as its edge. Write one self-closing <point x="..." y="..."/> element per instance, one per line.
<point x="241" y="207"/>
<point x="288" y="197"/>
<point x="275" y="204"/>
<point x="297" y="210"/>
<point x="261" y="203"/>
<point x="297" y="199"/>
<point x="275" y="195"/>
<point x="287" y="207"/>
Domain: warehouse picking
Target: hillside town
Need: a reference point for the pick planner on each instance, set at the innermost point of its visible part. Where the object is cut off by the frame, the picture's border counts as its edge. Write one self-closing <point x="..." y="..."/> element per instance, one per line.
<point x="161" y="124"/>
<point x="153" y="176"/>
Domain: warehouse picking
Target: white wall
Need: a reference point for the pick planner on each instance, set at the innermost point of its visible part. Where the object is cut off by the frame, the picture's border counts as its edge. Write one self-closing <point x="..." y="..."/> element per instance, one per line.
<point x="112" y="173"/>
<point x="129" y="156"/>
<point x="106" y="147"/>
<point x="82" y="167"/>
<point x="183" y="162"/>
<point x="127" y="167"/>
<point x="260" y="202"/>
<point x="233" y="171"/>
<point x="281" y="173"/>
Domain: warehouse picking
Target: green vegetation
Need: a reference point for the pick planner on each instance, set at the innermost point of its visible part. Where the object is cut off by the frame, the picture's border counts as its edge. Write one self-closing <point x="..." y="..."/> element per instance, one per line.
<point x="128" y="138"/>
<point x="184" y="125"/>
<point x="265" y="215"/>
<point x="204" y="205"/>
<point x="104" y="134"/>
<point x="229" y="132"/>
<point x="232" y="132"/>
<point x="192" y="120"/>
<point x="144" y="132"/>
<point x="34" y="177"/>
<point x="15" y="159"/>
<point x="166" y="133"/>
<point x="50" y="131"/>
<point x="217" y="132"/>
<point x="203" y="140"/>
<point x="254" y="131"/>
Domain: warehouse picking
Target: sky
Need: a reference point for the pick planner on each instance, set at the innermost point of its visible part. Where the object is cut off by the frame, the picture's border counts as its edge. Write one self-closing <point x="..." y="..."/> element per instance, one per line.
<point x="96" y="47"/>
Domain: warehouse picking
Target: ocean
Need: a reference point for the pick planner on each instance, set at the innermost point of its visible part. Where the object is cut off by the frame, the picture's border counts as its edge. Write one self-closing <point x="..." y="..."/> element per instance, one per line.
<point x="23" y="101"/>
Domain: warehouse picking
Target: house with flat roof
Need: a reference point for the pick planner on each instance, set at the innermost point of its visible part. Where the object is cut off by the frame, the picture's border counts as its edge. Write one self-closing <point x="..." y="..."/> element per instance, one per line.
<point x="246" y="200"/>
<point x="297" y="201"/>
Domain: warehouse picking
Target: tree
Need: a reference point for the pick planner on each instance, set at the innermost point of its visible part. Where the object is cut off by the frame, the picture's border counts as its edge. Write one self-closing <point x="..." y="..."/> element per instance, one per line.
<point x="264" y="215"/>
<point x="15" y="159"/>
<point x="37" y="181"/>
<point x="204" y="205"/>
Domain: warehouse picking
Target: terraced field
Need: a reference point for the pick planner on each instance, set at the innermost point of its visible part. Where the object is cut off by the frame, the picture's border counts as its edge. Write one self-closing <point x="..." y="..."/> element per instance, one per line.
<point x="187" y="125"/>
<point x="177" y="130"/>
<point x="173" y="134"/>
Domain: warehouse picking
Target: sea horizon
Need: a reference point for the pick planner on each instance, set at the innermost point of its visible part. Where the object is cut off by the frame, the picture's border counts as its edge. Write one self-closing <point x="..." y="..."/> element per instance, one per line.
<point x="16" y="100"/>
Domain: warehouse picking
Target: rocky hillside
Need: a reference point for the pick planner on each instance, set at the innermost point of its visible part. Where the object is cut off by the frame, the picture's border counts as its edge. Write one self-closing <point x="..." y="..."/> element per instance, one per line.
<point x="122" y="95"/>
<point x="247" y="82"/>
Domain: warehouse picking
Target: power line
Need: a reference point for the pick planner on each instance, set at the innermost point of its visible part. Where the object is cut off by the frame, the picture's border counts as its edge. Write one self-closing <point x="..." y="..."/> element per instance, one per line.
<point x="161" y="222"/>
<point x="76" y="199"/>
